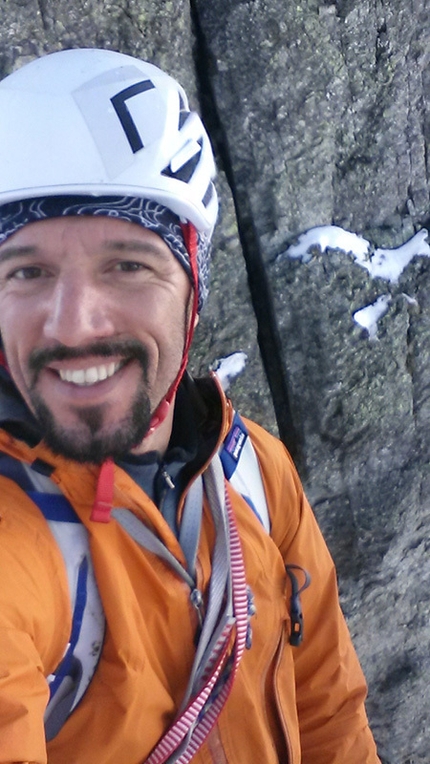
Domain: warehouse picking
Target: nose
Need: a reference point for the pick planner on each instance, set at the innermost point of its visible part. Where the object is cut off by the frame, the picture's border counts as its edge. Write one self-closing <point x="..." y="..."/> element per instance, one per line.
<point x="76" y="313"/>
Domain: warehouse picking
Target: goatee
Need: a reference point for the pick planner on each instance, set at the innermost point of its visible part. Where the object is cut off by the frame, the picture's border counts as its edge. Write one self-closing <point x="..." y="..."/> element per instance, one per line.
<point x="92" y="441"/>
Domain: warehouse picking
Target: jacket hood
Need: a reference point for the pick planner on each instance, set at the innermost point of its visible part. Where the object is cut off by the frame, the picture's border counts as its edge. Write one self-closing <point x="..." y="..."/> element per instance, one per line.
<point x="15" y="416"/>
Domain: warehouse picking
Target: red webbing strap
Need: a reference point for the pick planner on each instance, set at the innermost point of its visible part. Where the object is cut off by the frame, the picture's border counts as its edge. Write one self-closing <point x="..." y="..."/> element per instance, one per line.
<point x="210" y="717"/>
<point x="176" y="734"/>
<point x="3" y="361"/>
<point x="191" y="241"/>
<point x="103" y="501"/>
<point x="195" y="717"/>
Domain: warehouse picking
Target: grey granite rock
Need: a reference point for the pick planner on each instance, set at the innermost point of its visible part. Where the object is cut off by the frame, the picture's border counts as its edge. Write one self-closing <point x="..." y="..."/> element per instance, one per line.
<point x="324" y="108"/>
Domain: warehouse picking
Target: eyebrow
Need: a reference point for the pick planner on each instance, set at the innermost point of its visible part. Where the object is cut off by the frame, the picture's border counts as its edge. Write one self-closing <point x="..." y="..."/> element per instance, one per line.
<point x="12" y="251"/>
<point x="134" y="245"/>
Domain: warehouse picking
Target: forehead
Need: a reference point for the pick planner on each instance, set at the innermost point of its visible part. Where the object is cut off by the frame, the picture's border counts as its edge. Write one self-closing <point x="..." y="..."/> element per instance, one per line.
<point x="94" y="231"/>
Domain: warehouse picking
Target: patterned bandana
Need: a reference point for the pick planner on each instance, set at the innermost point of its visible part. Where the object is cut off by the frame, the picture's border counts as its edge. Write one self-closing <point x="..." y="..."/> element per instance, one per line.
<point x="149" y="214"/>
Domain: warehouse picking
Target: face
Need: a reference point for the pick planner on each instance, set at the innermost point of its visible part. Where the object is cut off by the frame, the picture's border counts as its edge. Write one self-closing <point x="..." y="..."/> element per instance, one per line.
<point x="93" y="316"/>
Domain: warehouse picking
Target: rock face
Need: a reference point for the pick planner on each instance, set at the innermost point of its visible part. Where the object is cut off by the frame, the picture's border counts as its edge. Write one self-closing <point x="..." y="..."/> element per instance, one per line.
<point x="364" y="426"/>
<point x="319" y="112"/>
<point x="324" y="115"/>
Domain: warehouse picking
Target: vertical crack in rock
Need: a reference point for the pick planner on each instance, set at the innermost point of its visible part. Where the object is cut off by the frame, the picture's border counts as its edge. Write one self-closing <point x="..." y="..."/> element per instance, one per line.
<point x="261" y="297"/>
<point x="410" y="365"/>
<point x="42" y="10"/>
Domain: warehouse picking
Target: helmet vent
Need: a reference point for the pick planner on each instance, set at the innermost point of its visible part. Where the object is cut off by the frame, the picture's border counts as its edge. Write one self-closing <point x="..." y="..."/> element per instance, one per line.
<point x="183" y="112"/>
<point x="183" y="116"/>
<point x="186" y="171"/>
<point x="208" y="195"/>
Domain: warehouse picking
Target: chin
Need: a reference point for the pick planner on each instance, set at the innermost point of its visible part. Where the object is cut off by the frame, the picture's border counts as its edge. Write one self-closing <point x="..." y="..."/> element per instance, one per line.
<point x="91" y="440"/>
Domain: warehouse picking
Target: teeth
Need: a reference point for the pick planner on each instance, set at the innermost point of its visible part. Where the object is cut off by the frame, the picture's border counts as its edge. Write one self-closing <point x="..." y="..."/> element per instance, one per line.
<point x="89" y="376"/>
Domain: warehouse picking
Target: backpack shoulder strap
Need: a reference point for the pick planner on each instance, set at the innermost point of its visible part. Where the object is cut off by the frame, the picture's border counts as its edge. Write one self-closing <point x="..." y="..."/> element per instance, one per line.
<point x="242" y="469"/>
<point x="72" y="677"/>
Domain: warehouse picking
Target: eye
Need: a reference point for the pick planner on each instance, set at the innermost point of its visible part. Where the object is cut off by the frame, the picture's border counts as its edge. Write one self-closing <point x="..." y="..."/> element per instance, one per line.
<point x="26" y="273"/>
<point x="129" y="266"/>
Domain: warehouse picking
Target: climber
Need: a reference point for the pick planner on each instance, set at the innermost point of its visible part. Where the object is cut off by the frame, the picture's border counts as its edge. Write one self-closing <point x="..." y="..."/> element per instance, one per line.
<point x="166" y="594"/>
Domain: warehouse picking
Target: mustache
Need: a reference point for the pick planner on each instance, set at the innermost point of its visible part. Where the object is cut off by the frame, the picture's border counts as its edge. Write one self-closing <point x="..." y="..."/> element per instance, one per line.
<point x="127" y="349"/>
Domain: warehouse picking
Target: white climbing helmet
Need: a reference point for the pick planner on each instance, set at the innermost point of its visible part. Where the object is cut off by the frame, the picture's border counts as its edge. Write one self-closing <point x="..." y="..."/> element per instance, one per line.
<point x="97" y="122"/>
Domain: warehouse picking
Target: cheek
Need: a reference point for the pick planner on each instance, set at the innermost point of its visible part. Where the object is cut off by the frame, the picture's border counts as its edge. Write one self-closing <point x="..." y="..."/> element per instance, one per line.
<point x="158" y="316"/>
<point x="167" y="338"/>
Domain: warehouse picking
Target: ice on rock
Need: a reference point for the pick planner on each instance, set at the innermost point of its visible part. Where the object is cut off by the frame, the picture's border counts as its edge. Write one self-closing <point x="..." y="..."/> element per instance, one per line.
<point x="229" y="367"/>
<point x="387" y="264"/>
<point x="369" y="316"/>
<point x="328" y="237"/>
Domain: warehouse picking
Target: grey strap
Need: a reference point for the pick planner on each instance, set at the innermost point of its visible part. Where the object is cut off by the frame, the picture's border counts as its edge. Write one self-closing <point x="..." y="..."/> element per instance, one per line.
<point x="146" y="538"/>
<point x="211" y="640"/>
<point x="220" y="586"/>
<point x="189" y="535"/>
<point x="191" y="523"/>
<point x="186" y="735"/>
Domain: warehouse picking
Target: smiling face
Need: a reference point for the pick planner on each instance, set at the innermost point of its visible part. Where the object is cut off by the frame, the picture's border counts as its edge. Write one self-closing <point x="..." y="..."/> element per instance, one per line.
<point x="93" y="316"/>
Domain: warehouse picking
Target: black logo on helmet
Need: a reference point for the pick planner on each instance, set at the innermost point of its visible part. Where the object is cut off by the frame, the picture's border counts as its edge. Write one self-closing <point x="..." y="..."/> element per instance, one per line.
<point x="124" y="116"/>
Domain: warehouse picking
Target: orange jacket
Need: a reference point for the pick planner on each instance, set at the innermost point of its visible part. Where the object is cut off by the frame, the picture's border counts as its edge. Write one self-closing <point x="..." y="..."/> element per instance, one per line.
<point x="287" y="705"/>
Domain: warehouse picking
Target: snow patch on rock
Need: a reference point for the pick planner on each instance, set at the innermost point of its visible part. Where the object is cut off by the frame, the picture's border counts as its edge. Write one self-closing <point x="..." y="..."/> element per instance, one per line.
<point x="369" y="316"/>
<point x="229" y="368"/>
<point x="386" y="264"/>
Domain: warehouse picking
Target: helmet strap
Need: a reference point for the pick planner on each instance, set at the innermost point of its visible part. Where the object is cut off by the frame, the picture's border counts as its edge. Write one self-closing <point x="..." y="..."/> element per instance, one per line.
<point x="191" y="242"/>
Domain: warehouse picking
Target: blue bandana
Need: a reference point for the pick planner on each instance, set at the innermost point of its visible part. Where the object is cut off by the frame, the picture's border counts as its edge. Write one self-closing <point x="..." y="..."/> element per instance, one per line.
<point x="149" y="214"/>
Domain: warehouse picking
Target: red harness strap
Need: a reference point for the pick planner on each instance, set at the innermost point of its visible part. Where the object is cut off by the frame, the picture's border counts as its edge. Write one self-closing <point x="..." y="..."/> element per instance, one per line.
<point x="103" y="501"/>
<point x="191" y="242"/>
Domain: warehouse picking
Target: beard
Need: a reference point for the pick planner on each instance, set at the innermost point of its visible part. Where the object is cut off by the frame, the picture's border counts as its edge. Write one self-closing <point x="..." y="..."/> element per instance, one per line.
<point x="92" y="441"/>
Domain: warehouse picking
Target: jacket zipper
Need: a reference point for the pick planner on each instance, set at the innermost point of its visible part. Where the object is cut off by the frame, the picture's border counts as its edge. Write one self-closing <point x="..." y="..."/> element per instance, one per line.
<point x="280" y="650"/>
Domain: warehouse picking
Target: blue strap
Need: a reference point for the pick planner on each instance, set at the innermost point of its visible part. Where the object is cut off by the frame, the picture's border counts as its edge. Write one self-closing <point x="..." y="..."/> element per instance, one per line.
<point x="54" y="506"/>
<point x="252" y="506"/>
<point x="81" y="599"/>
<point x="14" y="470"/>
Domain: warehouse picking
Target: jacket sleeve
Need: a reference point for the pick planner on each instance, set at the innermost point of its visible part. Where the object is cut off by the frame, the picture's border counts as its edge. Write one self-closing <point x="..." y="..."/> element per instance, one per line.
<point x="32" y="599"/>
<point x="330" y="686"/>
<point x="23" y="697"/>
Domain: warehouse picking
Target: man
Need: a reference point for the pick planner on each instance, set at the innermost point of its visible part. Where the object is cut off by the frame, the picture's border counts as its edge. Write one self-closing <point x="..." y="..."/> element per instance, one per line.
<point x="148" y="614"/>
